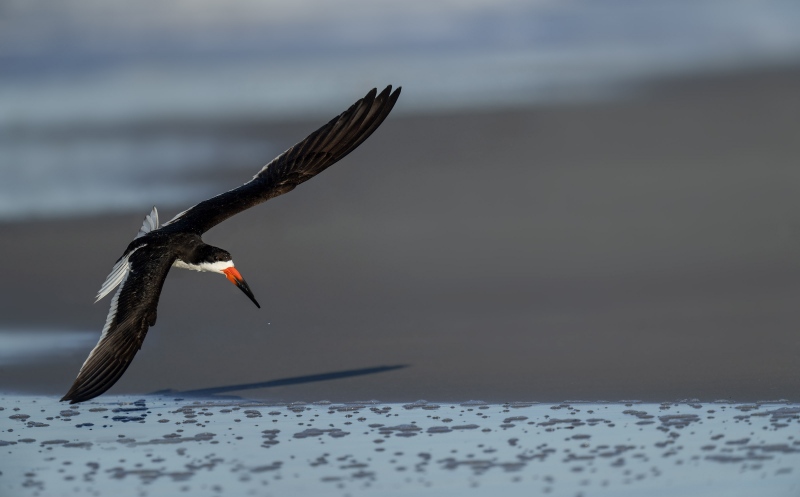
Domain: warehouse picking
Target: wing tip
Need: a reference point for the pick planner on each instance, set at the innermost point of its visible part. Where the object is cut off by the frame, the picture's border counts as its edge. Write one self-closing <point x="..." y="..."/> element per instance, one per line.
<point x="76" y="392"/>
<point x="72" y="396"/>
<point x="385" y="95"/>
<point x="387" y="99"/>
<point x="82" y="391"/>
<point x="388" y="92"/>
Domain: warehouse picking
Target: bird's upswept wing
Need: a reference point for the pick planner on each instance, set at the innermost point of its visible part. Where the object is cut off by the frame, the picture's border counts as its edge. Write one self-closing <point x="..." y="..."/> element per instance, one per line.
<point x="132" y="313"/>
<point x="299" y="163"/>
<point x="141" y="272"/>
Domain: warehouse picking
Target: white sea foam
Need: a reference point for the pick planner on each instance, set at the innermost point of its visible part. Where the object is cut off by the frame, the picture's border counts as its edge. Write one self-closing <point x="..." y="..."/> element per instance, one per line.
<point x="23" y="345"/>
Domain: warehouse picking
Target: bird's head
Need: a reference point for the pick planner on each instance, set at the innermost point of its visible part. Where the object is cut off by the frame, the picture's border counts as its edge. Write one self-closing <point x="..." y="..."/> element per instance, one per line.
<point x="217" y="260"/>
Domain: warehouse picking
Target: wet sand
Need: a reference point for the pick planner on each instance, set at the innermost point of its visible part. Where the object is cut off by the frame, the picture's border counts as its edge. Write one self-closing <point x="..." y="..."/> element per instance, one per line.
<point x="645" y="248"/>
<point x="164" y="446"/>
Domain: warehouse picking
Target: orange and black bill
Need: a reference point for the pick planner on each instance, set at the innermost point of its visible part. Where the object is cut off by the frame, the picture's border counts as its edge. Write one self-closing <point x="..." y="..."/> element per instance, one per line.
<point x="236" y="278"/>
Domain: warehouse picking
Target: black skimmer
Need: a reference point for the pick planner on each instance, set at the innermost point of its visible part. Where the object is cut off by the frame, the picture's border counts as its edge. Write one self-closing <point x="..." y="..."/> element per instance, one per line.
<point x="142" y="269"/>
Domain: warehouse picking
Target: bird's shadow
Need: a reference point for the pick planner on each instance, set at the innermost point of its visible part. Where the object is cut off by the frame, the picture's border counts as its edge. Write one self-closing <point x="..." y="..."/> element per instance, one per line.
<point x="296" y="380"/>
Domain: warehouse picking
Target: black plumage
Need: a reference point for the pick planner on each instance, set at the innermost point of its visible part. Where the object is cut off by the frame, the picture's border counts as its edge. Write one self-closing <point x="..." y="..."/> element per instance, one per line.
<point x="147" y="260"/>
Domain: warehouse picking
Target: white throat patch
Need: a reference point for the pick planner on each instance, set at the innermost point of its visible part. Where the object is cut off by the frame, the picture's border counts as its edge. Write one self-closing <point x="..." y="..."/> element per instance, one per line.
<point x="211" y="267"/>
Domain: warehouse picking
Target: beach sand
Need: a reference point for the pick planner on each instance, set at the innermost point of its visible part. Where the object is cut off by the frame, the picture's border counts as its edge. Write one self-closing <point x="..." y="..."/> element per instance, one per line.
<point x="643" y="248"/>
<point x="162" y="446"/>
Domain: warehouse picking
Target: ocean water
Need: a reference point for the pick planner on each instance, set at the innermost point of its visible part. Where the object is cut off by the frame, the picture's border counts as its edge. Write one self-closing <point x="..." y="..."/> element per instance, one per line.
<point x="99" y="103"/>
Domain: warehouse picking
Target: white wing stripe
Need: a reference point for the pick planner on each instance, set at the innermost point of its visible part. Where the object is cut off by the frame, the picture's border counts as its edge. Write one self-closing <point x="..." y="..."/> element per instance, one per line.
<point x="112" y="313"/>
<point x="150" y="223"/>
<point x="117" y="275"/>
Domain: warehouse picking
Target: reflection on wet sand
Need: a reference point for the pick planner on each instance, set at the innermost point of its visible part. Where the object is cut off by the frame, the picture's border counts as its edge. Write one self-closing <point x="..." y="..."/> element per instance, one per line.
<point x="162" y="446"/>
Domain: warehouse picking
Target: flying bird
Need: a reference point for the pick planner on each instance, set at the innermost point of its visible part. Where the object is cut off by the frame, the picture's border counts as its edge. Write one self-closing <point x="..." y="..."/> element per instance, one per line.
<point x="143" y="267"/>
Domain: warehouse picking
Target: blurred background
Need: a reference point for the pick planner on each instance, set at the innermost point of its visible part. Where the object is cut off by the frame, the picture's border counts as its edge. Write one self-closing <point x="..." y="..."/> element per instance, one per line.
<point x="585" y="199"/>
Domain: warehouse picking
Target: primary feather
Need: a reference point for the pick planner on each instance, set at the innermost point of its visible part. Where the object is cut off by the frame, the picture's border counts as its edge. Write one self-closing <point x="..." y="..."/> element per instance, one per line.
<point x="142" y="269"/>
